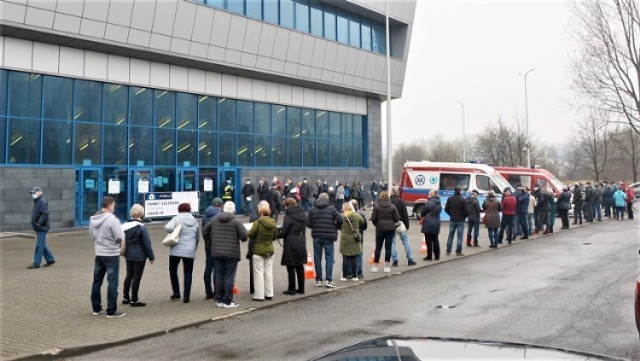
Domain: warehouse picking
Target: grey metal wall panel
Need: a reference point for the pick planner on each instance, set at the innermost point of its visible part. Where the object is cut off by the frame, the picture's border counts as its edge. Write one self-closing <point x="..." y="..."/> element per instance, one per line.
<point x="140" y="71"/>
<point x="216" y="53"/>
<point x="164" y="17"/>
<point x="180" y="46"/>
<point x="267" y="40"/>
<point x="330" y="56"/>
<point x="306" y="51"/>
<point x="295" y="44"/>
<point x="143" y="14"/>
<point x="39" y="17"/>
<point x="252" y="37"/>
<point x="159" y="41"/>
<point x="96" y="10"/>
<point x="370" y="68"/>
<point x="361" y="63"/>
<point x="236" y="33"/>
<point x="263" y="62"/>
<point x="139" y="37"/>
<point x="341" y="59"/>
<point x="44" y="4"/>
<point x="199" y="50"/>
<point x="13" y="12"/>
<point x="94" y="28"/>
<point x="319" y="47"/>
<point x="303" y="71"/>
<point x="66" y="23"/>
<point x="220" y="29"/>
<point x="248" y="60"/>
<point x="46" y="57"/>
<point x="95" y="65"/>
<point x="352" y="60"/>
<point x="232" y="56"/>
<point x="185" y="18"/>
<point x="290" y="68"/>
<point x="116" y="33"/>
<point x="202" y="25"/>
<point x="119" y="12"/>
<point x="71" y="62"/>
<point x="70" y="7"/>
<point x="281" y="43"/>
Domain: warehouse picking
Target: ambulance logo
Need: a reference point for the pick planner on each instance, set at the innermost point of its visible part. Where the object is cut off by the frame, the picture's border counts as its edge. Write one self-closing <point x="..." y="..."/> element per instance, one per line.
<point x="433" y="179"/>
<point x="420" y="180"/>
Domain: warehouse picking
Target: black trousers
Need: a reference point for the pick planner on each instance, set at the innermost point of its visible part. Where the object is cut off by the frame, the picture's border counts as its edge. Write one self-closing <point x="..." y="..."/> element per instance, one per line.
<point x="383" y="237"/>
<point x="132" y="280"/>
<point x="296" y="272"/>
<point x="564" y="216"/>
<point x="577" y="213"/>
<point x="187" y="265"/>
<point x="630" y="210"/>
<point x="433" y="245"/>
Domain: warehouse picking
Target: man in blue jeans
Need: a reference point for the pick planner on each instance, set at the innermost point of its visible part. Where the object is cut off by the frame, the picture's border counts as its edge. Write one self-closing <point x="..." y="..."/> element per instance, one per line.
<point x="107" y="235"/>
<point x="40" y="224"/>
<point x="324" y="221"/>
<point x="404" y="237"/>
<point x="456" y="208"/>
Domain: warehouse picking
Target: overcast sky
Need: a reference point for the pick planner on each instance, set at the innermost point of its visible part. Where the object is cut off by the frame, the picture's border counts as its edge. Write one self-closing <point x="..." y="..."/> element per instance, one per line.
<point x="471" y="52"/>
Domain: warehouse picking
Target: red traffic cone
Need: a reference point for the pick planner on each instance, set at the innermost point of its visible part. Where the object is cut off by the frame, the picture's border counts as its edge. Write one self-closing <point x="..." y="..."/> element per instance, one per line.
<point x="423" y="248"/>
<point x="236" y="291"/>
<point x="309" y="269"/>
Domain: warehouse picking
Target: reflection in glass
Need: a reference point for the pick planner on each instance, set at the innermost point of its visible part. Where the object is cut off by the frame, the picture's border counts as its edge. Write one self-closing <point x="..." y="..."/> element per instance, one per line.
<point x="227" y="149"/>
<point x="56" y="143"/>
<point x="207" y="112"/>
<point x="227" y="114"/>
<point x="186" y="111"/>
<point x="262" y="151"/>
<point x="271" y="11"/>
<point x="245" y="116"/>
<point x="316" y="17"/>
<point x="366" y="33"/>
<point x="347" y="154"/>
<point x="347" y="127"/>
<point x="236" y="6"/>
<point x="165" y="108"/>
<point x="322" y="124"/>
<point x="25" y="90"/>
<point x="302" y="15"/>
<point x="278" y="120"/>
<point x="57" y="97"/>
<point x="378" y="42"/>
<point x="87" y="101"/>
<point x="115" y="144"/>
<point x="3" y="92"/>
<point x="322" y="154"/>
<point x="262" y="120"/>
<point x="207" y="149"/>
<point x="308" y="123"/>
<point x="358" y="154"/>
<point x="308" y="152"/>
<point x="165" y="140"/>
<point x="295" y="152"/>
<point x="358" y="126"/>
<point x="187" y="140"/>
<point x="294" y="122"/>
<point x="164" y="180"/>
<point x="354" y="30"/>
<point x="245" y="150"/>
<point x="119" y="174"/>
<point x="115" y="103"/>
<point x="254" y="8"/>
<point x="140" y="146"/>
<point x="87" y="143"/>
<point x="343" y="26"/>
<point x="286" y="13"/>
<point x="24" y="141"/>
<point x="141" y="107"/>
<point x="278" y="151"/>
<point x="329" y="22"/>
<point x="3" y="137"/>
<point x="335" y="153"/>
<point x="334" y="125"/>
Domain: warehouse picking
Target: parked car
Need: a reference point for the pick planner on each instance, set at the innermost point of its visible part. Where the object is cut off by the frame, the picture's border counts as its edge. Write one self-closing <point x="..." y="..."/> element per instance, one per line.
<point x="636" y="189"/>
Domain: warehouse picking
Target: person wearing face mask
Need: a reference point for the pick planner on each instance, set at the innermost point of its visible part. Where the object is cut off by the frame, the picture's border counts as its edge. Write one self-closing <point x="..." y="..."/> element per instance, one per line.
<point x="40" y="224"/>
<point x="248" y="190"/>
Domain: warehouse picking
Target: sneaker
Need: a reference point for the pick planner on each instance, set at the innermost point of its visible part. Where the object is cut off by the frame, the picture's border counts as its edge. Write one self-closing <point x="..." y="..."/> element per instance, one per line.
<point x="231" y="305"/>
<point x="49" y="263"/>
<point x="343" y="279"/>
<point x="116" y="314"/>
<point x="329" y="284"/>
<point x="209" y="296"/>
<point x="318" y="283"/>
<point x="387" y="270"/>
<point x="360" y="277"/>
<point x="395" y="263"/>
<point x="33" y="266"/>
<point x="125" y="301"/>
<point x="374" y="269"/>
<point x="220" y="304"/>
<point x="96" y="313"/>
<point x="412" y="263"/>
<point x="137" y="304"/>
<point x="355" y="279"/>
<point x="459" y="254"/>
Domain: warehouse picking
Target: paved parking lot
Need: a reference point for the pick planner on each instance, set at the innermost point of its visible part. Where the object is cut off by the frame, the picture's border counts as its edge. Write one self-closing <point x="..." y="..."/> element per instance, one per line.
<point x="47" y="310"/>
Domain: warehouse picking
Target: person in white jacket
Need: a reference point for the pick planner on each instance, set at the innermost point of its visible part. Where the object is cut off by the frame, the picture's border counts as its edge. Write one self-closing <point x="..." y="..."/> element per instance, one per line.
<point x="184" y="250"/>
<point x="107" y="235"/>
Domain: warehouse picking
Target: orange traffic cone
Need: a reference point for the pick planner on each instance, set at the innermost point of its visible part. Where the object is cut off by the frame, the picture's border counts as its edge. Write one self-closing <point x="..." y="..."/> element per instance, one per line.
<point x="236" y="291"/>
<point x="423" y="248"/>
<point x="373" y="258"/>
<point x="309" y="269"/>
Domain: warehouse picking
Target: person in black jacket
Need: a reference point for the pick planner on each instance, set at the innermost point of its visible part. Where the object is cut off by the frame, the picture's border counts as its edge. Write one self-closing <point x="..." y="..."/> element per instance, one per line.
<point x="273" y="197"/>
<point x="305" y="194"/>
<point x="473" y="221"/>
<point x="324" y="221"/>
<point x="578" y="203"/>
<point x="40" y="224"/>
<point x="136" y="254"/>
<point x="294" y="251"/>
<point x="248" y="190"/>
<point x="384" y="217"/>
<point x="456" y="208"/>
<point x="564" y="205"/>
<point x="404" y="237"/>
<point x="431" y="225"/>
<point x="589" y="198"/>
<point x="263" y="188"/>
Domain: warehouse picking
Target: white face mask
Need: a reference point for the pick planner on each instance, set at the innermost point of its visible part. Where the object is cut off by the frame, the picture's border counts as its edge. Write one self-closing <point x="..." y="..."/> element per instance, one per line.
<point x="34" y="196"/>
<point x="248" y="182"/>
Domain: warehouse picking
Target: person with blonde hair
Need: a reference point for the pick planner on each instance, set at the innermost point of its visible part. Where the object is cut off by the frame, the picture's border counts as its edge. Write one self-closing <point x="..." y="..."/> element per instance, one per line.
<point x="264" y="231"/>
<point x="431" y="225"/>
<point x="136" y="254"/>
<point x="350" y="246"/>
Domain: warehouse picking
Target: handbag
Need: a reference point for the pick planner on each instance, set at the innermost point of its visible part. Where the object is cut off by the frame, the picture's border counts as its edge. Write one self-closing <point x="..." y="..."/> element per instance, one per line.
<point x="484" y="217"/>
<point x="421" y="221"/>
<point x="400" y="227"/>
<point x="356" y="235"/>
<point x="173" y="237"/>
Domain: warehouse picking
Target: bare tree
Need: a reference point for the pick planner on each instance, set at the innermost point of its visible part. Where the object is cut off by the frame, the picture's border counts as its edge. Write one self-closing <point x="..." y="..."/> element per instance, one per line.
<point x="445" y="151"/>
<point x="606" y="70"/>
<point x="415" y="151"/>
<point x="593" y="138"/>
<point x="626" y="152"/>
<point x="505" y="144"/>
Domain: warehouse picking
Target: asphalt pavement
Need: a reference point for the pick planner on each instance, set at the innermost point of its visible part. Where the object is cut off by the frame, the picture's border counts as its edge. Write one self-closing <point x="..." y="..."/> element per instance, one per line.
<point x="46" y="313"/>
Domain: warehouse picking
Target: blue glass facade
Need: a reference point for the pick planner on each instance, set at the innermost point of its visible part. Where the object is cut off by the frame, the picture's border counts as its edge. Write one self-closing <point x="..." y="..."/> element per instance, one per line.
<point x="314" y="17"/>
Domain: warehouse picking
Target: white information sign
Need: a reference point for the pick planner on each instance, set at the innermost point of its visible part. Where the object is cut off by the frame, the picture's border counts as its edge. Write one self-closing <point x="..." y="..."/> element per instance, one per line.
<point x="208" y="185"/>
<point x="166" y="204"/>
<point x="143" y="186"/>
<point x="114" y="186"/>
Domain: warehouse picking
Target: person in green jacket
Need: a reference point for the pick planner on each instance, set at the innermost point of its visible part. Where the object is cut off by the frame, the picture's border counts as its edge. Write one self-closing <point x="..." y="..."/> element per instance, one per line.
<point x="264" y="231"/>
<point x="350" y="247"/>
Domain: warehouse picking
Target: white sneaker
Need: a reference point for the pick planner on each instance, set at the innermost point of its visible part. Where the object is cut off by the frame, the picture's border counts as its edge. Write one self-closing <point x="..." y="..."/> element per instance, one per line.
<point x="318" y="283"/>
<point x="355" y="279"/>
<point x="231" y="305"/>
<point x="343" y="279"/>
<point x="387" y="270"/>
<point x="329" y="284"/>
<point x="220" y="304"/>
<point x="374" y="269"/>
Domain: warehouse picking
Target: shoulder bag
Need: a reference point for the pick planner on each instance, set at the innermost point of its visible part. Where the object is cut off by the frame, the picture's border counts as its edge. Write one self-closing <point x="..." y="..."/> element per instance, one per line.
<point x="421" y="221"/>
<point x="173" y="237"/>
<point x="356" y="235"/>
<point x="484" y="218"/>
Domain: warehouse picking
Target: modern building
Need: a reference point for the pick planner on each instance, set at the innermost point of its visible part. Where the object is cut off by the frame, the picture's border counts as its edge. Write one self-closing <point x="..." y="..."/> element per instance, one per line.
<point x="125" y="97"/>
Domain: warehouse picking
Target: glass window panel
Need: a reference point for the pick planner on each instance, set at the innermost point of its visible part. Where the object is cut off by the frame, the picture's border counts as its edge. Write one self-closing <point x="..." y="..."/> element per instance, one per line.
<point x="141" y="107"/>
<point x="254" y="8"/>
<point x="358" y="126"/>
<point x="57" y="97"/>
<point x="354" y="30"/>
<point x="3" y="92"/>
<point x="227" y="149"/>
<point x="308" y="123"/>
<point x="165" y="147"/>
<point x="271" y="11"/>
<point x="87" y="143"/>
<point x="302" y="15"/>
<point x="56" y="143"/>
<point x="3" y="138"/>
<point x="227" y="114"/>
<point x="322" y="124"/>
<point x="343" y="26"/>
<point x="140" y="146"/>
<point x="207" y="113"/>
<point x="245" y="150"/>
<point x="449" y="181"/>
<point x="316" y="17"/>
<point x="263" y="151"/>
<point x="347" y="154"/>
<point x="245" y="116"/>
<point x="322" y="153"/>
<point x="187" y="108"/>
<point x="87" y="101"/>
<point x="216" y="3"/>
<point x="329" y="22"/>
<point x="286" y="13"/>
<point x="207" y="149"/>
<point x="24" y="141"/>
<point x="115" y="103"/>
<point x="279" y="151"/>
<point x="278" y="120"/>
<point x="336" y="159"/>
<point x="187" y="145"/>
<point x="115" y="144"/>
<point x="308" y="152"/>
<point x="334" y="125"/>
<point x="26" y="91"/>
<point x="377" y="37"/>
<point x="358" y="154"/>
<point x="165" y="180"/>
<point x="347" y="127"/>
<point x="237" y="6"/>
<point x="262" y="116"/>
<point x="165" y="108"/>
<point x="293" y="122"/>
<point x="295" y="152"/>
<point x="366" y="34"/>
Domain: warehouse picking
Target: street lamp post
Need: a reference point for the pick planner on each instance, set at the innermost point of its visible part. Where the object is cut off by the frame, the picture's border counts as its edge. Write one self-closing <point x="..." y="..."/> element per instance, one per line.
<point x="464" y="143"/>
<point x="526" y="116"/>
<point x="388" y="51"/>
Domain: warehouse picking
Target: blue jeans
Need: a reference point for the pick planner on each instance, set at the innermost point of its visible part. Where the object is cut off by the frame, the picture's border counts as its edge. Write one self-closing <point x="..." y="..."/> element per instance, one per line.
<point x="404" y="237"/>
<point x="453" y="226"/>
<point x="531" y="223"/>
<point x="247" y="206"/>
<point x="208" y="273"/>
<point x="508" y="223"/>
<point x="42" y="249"/>
<point x="523" y="224"/>
<point x="493" y="235"/>
<point x="306" y="204"/>
<point x="320" y="244"/>
<point x="111" y="266"/>
<point x="359" y="272"/>
<point x="597" y="210"/>
<point x="475" y="227"/>
<point x="225" y="269"/>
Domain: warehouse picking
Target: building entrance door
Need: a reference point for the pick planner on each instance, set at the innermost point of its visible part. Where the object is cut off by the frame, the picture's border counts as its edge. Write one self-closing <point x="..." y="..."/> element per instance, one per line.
<point x="141" y="182"/>
<point x="89" y="191"/>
